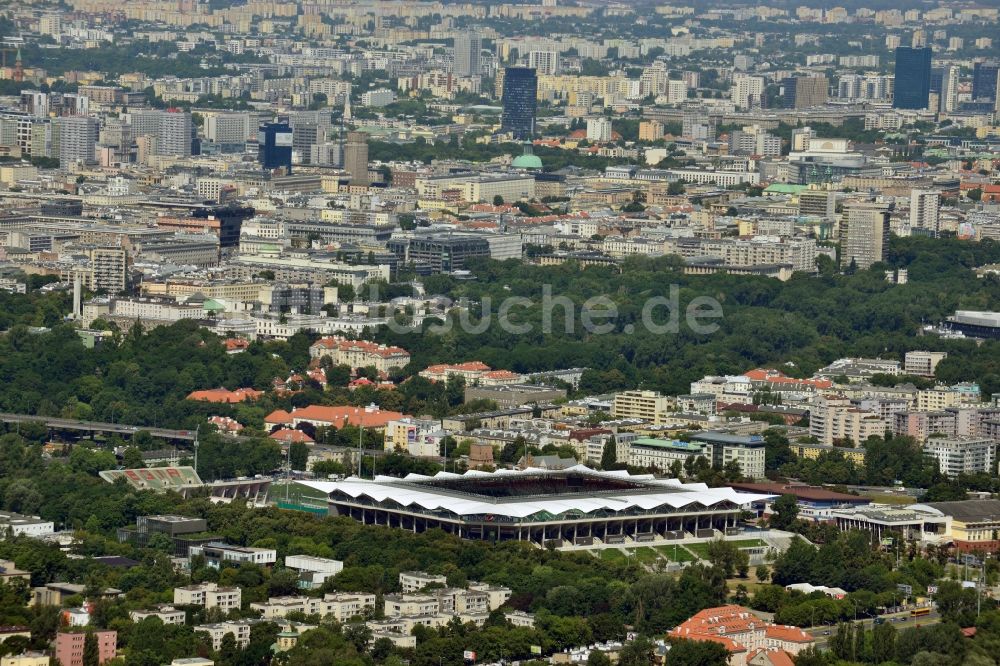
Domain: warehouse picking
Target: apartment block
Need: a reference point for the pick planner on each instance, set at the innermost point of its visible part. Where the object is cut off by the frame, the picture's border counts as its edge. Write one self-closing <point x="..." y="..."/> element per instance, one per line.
<point x="414" y="581"/>
<point x="216" y="554"/>
<point x="340" y="606"/>
<point x="833" y="418"/>
<point x="962" y="455"/>
<point x="646" y="405"/>
<point x="209" y="595"/>
<point x="165" y="613"/>
<point x="922" y="363"/>
<point x="69" y="647"/>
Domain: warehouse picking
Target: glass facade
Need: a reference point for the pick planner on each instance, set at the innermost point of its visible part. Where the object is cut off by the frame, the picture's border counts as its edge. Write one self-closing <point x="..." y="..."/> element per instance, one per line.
<point x="520" y="99"/>
<point x="913" y="78"/>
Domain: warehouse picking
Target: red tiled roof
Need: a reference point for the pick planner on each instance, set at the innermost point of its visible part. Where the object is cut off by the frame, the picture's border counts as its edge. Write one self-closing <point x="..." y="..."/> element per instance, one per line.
<point x="787" y="634"/>
<point x="346" y="415"/>
<point x="334" y="342"/>
<point x="278" y="416"/>
<point x="222" y="395"/>
<point x="288" y="436"/>
<point x="468" y="366"/>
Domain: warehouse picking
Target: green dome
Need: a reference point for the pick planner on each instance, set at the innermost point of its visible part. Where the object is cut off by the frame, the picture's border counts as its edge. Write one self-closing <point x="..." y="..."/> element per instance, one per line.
<point x="527" y="162"/>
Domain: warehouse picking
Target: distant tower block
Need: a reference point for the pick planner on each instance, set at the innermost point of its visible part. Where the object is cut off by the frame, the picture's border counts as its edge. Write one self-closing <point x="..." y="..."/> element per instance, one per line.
<point x="77" y="296"/>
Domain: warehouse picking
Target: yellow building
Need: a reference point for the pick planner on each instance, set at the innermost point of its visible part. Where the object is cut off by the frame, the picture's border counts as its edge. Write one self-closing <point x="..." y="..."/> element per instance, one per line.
<point x="812" y="451"/>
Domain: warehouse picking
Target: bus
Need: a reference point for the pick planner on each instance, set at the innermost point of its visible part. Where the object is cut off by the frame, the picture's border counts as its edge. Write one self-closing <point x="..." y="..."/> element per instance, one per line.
<point x="918" y="612"/>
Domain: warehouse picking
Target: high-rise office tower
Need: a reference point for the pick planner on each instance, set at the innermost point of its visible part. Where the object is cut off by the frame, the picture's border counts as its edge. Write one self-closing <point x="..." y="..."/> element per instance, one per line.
<point x="925" y="210"/>
<point x="468" y="54"/>
<point x="801" y="92"/>
<point x="229" y="131"/>
<point x="274" y="146"/>
<point x="356" y="157"/>
<point x="984" y="80"/>
<point x="949" y="89"/>
<point x="520" y="101"/>
<point x="867" y="234"/>
<point x="912" y="78"/>
<point x="77" y="139"/>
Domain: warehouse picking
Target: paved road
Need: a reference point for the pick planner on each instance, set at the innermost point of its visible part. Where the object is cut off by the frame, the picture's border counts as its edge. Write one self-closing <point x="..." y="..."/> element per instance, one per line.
<point x="95" y="426"/>
<point x="900" y="621"/>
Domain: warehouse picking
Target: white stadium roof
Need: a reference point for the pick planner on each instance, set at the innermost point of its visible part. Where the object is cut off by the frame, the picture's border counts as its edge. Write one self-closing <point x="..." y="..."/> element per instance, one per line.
<point x="409" y="491"/>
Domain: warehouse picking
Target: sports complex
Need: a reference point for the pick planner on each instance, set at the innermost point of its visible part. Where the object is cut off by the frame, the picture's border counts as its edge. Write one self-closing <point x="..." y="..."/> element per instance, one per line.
<point x="575" y="506"/>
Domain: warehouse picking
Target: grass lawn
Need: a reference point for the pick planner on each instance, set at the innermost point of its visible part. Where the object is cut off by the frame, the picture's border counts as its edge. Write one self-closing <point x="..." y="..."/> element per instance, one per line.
<point x="612" y="554"/>
<point x="701" y="549"/>
<point x="646" y="555"/>
<point x="682" y="554"/>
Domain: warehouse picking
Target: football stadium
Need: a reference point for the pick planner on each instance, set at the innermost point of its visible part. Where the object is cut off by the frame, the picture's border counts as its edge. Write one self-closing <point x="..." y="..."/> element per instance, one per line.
<point x="577" y="506"/>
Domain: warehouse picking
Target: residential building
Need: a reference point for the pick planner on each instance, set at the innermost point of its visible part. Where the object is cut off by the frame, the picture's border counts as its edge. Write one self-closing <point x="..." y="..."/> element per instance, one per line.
<point x="77" y="139"/>
<point x="209" y="595"/>
<point x="599" y="129"/>
<point x="164" y="613"/>
<point x="216" y="553"/>
<point x="925" y="211"/>
<point x="313" y="571"/>
<point x="867" y="231"/>
<point x="640" y="404"/>
<point x="68" y="649"/>
<point x="545" y="63"/>
<point x="468" y="54"/>
<point x="240" y="630"/>
<point x="748" y="91"/>
<point x="835" y="418"/>
<point x="418" y="437"/>
<point x="922" y="363"/>
<point x="962" y="455"/>
<point x="937" y="398"/>
<point x="340" y="606"/>
<point x="414" y="581"/>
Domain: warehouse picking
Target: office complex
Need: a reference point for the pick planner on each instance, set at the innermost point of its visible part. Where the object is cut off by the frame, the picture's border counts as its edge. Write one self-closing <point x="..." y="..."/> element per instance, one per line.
<point x="912" y="78"/>
<point x="804" y="91"/>
<point x="520" y="100"/>
<point x="274" y="146"/>
<point x="229" y="131"/>
<point x="984" y="80"/>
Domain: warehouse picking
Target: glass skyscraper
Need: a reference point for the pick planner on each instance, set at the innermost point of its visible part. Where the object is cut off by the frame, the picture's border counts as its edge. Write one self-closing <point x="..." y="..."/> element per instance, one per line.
<point x="913" y="78"/>
<point x="984" y="80"/>
<point x="274" y="146"/>
<point x="520" y="100"/>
